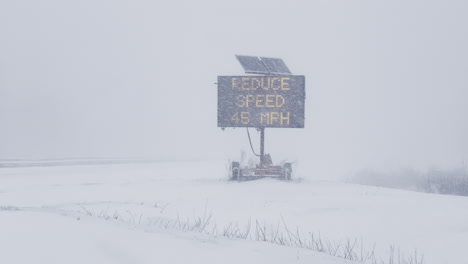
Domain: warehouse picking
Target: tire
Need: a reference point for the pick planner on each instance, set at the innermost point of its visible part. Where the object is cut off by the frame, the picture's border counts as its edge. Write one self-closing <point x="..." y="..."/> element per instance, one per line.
<point x="235" y="171"/>
<point x="287" y="171"/>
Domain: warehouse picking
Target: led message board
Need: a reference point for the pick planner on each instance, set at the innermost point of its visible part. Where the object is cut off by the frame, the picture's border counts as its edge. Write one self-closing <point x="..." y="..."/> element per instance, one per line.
<point x="261" y="101"/>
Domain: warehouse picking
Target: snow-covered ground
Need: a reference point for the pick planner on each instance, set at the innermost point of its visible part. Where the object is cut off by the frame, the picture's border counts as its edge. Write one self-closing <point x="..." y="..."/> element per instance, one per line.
<point x="151" y="213"/>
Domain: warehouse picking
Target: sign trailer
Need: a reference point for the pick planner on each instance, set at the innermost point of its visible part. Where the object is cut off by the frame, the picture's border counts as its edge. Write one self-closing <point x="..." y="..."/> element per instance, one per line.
<point x="272" y="98"/>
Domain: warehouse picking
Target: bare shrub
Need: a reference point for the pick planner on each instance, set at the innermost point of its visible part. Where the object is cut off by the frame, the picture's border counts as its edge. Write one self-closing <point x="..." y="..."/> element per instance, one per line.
<point x="279" y="234"/>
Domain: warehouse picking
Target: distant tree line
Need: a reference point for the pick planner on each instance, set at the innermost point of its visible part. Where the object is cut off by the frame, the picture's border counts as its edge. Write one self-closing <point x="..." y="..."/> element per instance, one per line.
<point x="442" y="181"/>
<point x="446" y="182"/>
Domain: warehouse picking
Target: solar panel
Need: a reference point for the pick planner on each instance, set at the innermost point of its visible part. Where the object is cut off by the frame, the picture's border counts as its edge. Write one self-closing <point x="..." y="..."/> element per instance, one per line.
<point x="252" y="64"/>
<point x="275" y="66"/>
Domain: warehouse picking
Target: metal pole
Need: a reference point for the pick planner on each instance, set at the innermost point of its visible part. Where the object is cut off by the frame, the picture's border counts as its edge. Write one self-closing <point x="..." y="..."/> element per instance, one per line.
<point x="262" y="144"/>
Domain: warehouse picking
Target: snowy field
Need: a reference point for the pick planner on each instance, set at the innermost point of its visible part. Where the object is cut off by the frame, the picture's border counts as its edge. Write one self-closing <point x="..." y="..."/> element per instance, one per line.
<point x="180" y="212"/>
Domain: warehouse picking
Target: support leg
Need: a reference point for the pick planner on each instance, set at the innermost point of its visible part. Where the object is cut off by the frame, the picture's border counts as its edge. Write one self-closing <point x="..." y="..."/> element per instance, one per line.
<point x="262" y="144"/>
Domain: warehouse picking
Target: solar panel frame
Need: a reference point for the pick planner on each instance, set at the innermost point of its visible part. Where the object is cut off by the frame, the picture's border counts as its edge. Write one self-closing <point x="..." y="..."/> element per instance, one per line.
<point x="252" y="64"/>
<point x="275" y="66"/>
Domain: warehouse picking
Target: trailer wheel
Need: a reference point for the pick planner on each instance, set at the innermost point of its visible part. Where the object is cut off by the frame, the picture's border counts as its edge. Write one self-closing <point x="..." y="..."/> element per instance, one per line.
<point x="287" y="171"/>
<point x="236" y="172"/>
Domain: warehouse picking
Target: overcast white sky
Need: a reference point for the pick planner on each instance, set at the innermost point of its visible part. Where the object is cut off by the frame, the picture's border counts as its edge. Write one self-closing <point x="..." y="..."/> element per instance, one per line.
<point x="386" y="81"/>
